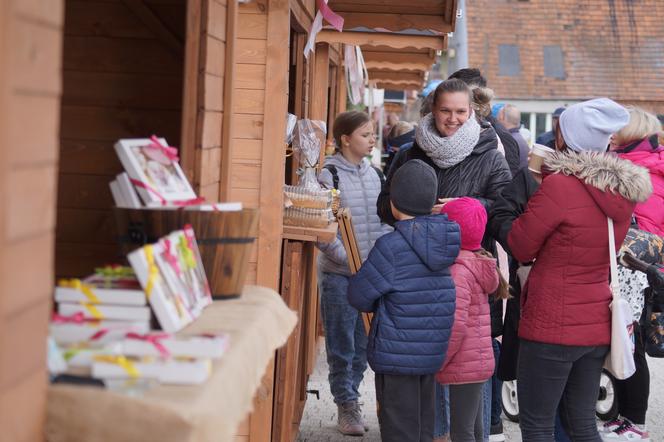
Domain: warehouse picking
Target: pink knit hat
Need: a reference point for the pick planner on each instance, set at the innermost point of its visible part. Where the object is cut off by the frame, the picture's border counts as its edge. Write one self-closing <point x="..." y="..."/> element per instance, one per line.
<point x="471" y="217"/>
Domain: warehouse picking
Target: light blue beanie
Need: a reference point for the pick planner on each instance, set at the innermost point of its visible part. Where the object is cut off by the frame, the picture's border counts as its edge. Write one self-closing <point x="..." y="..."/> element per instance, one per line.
<point x="588" y="126"/>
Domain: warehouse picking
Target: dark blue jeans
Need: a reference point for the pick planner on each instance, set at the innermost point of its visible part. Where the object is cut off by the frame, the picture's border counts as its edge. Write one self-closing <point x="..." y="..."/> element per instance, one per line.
<point x="497" y="386"/>
<point x="345" y="338"/>
<point x="549" y="375"/>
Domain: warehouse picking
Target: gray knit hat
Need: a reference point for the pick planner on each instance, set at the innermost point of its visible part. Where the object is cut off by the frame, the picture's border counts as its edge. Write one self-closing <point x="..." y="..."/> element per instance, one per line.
<point x="414" y="188"/>
<point x="587" y="126"/>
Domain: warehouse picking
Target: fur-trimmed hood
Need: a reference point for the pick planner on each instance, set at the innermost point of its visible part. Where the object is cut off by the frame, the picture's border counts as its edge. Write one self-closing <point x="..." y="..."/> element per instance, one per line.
<point x="607" y="177"/>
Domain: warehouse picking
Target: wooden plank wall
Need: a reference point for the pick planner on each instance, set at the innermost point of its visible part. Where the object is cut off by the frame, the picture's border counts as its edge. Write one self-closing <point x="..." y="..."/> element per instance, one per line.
<point x="30" y="87"/>
<point x="119" y="81"/>
<point x="249" y="113"/>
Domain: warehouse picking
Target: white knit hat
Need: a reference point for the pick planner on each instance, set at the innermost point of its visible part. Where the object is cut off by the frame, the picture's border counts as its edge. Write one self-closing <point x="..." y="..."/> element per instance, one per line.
<point x="587" y="126"/>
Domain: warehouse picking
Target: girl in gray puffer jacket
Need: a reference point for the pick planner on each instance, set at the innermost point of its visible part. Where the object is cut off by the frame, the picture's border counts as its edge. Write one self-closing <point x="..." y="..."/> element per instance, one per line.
<point x="345" y="338"/>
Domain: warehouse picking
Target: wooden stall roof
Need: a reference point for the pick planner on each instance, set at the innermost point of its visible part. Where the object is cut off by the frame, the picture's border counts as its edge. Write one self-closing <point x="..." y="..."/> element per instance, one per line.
<point x="397" y="15"/>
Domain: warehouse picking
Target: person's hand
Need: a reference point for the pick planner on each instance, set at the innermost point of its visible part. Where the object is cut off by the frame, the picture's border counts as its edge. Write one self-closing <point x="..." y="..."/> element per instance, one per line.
<point x="441" y="202"/>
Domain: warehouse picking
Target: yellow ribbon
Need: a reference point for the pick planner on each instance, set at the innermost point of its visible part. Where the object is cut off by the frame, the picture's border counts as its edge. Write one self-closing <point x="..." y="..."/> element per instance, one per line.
<point x="121" y="361"/>
<point x="94" y="311"/>
<point x="187" y="253"/>
<point x="70" y="353"/>
<point x="83" y="288"/>
<point x="153" y="271"/>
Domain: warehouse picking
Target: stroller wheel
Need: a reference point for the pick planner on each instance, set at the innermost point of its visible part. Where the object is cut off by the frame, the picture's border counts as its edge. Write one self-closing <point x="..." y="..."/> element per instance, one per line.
<point x="607" y="405"/>
<point x="510" y="401"/>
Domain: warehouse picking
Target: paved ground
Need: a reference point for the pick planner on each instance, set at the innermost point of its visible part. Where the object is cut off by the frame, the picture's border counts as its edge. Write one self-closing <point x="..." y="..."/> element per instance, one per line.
<point x="319" y="420"/>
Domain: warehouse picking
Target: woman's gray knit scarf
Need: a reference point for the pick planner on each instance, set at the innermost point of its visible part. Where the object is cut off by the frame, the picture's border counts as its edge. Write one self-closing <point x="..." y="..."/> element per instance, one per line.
<point x="446" y="152"/>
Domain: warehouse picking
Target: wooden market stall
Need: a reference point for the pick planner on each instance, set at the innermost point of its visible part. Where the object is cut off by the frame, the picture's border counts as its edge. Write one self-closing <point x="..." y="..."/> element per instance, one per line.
<point x="215" y="77"/>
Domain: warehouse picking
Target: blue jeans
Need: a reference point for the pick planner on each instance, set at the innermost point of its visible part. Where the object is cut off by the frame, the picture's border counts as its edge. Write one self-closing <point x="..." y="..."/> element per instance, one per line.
<point x="442" y="411"/>
<point x="345" y="338"/>
<point x="497" y="386"/>
<point x="559" y="431"/>
<point x="486" y="408"/>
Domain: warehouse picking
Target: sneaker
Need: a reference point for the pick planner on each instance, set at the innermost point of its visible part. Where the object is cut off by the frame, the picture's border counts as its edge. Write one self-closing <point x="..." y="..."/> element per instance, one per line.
<point x="496" y="434"/>
<point x="610" y="426"/>
<point x="627" y="432"/>
<point x="358" y="415"/>
<point x="347" y="422"/>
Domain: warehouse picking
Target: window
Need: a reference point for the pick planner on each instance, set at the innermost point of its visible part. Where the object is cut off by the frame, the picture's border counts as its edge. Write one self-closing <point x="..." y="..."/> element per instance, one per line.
<point x="554" y="63"/>
<point x="509" y="62"/>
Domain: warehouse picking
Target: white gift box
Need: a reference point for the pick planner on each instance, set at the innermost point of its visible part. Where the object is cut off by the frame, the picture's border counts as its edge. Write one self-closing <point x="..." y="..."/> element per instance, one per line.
<point x="166" y="371"/>
<point x="81" y="356"/>
<point x="164" y="179"/>
<point x="191" y="347"/>
<point x="104" y="311"/>
<point x="103" y="332"/>
<point x="104" y="295"/>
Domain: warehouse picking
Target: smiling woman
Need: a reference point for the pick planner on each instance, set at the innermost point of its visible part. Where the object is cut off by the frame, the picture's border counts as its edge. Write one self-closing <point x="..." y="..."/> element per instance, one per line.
<point x="460" y="147"/>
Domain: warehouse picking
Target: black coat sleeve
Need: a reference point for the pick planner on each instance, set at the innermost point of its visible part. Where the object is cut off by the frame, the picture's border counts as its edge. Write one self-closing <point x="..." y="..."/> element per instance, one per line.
<point x="499" y="177"/>
<point x="509" y="205"/>
<point x="510" y="144"/>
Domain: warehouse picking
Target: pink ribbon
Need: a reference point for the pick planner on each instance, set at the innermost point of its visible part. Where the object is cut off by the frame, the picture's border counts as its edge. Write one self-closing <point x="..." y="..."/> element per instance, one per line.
<point x="164" y="202"/>
<point x="100" y="334"/>
<point x="154" y="339"/>
<point x="76" y="318"/>
<point x="171" y="153"/>
<point x="170" y="257"/>
<point x="330" y="16"/>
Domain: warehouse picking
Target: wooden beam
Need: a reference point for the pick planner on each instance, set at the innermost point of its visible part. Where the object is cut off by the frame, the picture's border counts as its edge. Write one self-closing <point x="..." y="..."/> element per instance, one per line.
<point x="227" y="124"/>
<point x="154" y="24"/>
<point x="396" y="77"/>
<point x="319" y="88"/>
<point x="426" y="7"/>
<point x="400" y="86"/>
<point x="273" y="159"/>
<point x="396" y="22"/>
<point x="384" y="39"/>
<point x="190" y="88"/>
<point x="397" y="57"/>
<point x="398" y="67"/>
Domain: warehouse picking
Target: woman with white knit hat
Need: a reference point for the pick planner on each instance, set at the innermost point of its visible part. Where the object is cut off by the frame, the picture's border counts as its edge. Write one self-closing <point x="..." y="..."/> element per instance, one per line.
<point x="565" y="321"/>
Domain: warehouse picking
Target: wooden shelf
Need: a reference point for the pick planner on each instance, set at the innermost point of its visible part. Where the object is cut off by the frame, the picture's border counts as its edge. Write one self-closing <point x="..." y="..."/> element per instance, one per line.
<point x="311" y="233"/>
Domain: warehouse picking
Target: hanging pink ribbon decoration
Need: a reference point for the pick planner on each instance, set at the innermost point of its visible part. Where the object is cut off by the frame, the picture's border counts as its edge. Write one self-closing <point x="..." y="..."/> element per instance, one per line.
<point x="154" y="339"/>
<point x="324" y="12"/>
<point x="330" y="16"/>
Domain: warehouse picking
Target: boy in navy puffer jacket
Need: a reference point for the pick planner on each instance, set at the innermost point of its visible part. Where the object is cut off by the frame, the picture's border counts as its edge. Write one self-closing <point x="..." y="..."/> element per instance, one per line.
<point x="406" y="282"/>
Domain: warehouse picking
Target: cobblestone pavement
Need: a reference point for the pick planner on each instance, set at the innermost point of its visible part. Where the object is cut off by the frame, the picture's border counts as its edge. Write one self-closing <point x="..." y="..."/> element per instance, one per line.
<point x="320" y="416"/>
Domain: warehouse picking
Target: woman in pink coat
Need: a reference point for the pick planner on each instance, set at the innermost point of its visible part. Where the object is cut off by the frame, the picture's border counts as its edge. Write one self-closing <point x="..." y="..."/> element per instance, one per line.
<point x="469" y="361"/>
<point x="638" y="142"/>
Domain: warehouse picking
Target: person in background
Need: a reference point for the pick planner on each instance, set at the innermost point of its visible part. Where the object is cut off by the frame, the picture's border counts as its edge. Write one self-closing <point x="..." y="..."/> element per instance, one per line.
<point x="390" y="121"/>
<point x="565" y="325"/>
<point x="548" y="138"/>
<point x="474" y="78"/>
<point x="638" y="142"/>
<point x="345" y="337"/>
<point x="402" y="133"/>
<point x="406" y="282"/>
<point x="510" y="117"/>
<point x="470" y="362"/>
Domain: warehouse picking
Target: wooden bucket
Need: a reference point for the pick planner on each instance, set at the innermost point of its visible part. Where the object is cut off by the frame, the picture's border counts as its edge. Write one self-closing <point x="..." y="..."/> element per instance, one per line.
<point x="224" y="239"/>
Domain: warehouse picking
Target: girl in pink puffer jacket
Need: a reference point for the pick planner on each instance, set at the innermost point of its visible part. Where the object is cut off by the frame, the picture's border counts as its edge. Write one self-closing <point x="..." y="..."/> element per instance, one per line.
<point x="470" y="361"/>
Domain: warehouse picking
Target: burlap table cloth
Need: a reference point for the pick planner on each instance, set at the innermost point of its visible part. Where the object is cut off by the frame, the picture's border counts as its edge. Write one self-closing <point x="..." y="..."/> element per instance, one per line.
<point x="258" y="323"/>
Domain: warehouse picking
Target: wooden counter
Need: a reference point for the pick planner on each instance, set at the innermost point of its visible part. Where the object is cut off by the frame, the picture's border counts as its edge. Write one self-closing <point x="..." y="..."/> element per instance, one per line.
<point x="258" y="323"/>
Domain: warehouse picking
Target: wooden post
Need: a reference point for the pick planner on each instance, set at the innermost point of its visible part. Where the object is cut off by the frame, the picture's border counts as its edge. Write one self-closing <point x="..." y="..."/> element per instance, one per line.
<point x="227" y="126"/>
<point x="319" y="86"/>
<point x="190" y="89"/>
